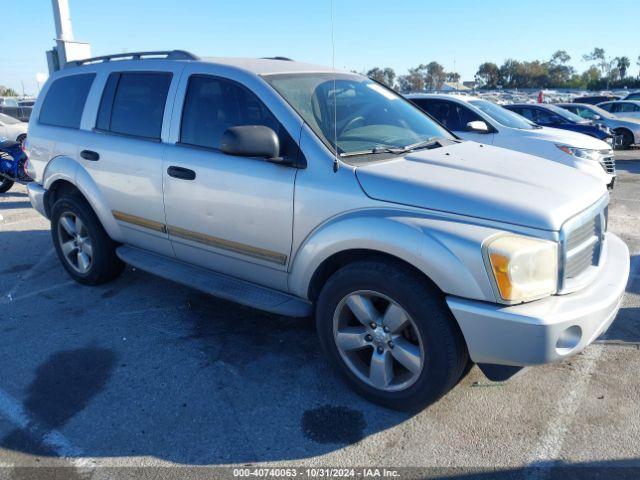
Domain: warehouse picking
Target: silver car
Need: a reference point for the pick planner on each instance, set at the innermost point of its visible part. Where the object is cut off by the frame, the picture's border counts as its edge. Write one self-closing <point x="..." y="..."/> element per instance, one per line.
<point x="304" y="191"/>
<point x="627" y="128"/>
<point x="622" y="108"/>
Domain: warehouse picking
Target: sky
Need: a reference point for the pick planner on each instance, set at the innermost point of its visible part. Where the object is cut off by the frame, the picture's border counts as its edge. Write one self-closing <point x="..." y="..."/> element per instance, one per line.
<point x="367" y="33"/>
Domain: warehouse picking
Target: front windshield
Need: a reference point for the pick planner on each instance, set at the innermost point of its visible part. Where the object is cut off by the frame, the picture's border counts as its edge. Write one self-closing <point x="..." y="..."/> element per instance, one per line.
<point x="502" y="115"/>
<point x="7" y="120"/>
<point x="565" y="114"/>
<point x="369" y="118"/>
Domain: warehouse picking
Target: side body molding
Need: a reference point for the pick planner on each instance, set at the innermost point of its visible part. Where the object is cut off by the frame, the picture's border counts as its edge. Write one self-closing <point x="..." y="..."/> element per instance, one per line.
<point x="67" y="169"/>
<point x="447" y="251"/>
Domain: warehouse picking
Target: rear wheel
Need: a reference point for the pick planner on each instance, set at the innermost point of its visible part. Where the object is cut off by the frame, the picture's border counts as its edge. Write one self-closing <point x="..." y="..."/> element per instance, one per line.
<point x="390" y="334"/>
<point x="83" y="246"/>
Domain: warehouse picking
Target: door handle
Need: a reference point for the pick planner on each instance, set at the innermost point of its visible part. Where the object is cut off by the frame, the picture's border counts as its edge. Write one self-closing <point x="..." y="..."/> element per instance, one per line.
<point x="181" y="173"/>
<point x="90" y="155"/>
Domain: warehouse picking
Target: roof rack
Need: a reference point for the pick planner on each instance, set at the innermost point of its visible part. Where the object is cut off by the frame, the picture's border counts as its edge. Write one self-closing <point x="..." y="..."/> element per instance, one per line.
<point x="285" y="59"/>
<point x="163" y="54"/>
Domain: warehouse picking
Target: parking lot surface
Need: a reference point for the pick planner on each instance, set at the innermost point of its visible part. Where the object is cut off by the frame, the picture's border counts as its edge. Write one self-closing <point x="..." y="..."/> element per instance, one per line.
<point x="145" y="372"/>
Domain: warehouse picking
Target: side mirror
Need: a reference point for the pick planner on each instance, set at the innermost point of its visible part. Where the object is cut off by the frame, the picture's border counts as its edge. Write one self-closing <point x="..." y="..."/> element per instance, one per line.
<point x="251" y="141"/>
<point x="478" y="126"/>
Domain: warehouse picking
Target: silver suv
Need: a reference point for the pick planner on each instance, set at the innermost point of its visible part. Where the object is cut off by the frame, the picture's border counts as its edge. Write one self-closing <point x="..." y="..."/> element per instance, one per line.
<point x="300" y="190"/>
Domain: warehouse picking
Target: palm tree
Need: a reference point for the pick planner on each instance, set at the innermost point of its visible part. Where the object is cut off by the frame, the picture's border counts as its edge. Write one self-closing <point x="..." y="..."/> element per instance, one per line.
<point x="623" y="63"/>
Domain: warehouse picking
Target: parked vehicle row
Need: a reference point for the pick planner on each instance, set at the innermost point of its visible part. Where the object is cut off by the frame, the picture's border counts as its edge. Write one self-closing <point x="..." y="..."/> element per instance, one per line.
<point x="297" y="189"/>
<point x="482" y="121"/>
<point x="12" y="129"/>
<point x="627" y="129"/>
<point x="548" y="115"/>
<point x="13" y="107"/>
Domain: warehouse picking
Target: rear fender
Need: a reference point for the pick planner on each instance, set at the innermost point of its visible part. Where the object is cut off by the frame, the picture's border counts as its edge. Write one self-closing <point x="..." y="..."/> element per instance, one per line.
<point x="69" y="170"/>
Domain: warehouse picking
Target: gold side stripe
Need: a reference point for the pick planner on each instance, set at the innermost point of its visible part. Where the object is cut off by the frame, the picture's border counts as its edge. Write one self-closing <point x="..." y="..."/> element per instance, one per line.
<point x="139" y="221"/>
<point x="228" y="245"/>
<point x="203" y="238"/>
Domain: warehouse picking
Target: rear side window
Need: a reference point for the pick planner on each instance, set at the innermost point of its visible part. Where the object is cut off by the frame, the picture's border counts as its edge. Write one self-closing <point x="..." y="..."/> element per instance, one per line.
<point x="64" y="103"/>
<point x="133" y="103"/>
<point x="214" y="104"/>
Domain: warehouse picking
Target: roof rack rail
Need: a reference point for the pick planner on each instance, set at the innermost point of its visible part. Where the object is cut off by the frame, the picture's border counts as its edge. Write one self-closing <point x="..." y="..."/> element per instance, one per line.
<point x="164" y="54"/>
<point x="285" y="59"/>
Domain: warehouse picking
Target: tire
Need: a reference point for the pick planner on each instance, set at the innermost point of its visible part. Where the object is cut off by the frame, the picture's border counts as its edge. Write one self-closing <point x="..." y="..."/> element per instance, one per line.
<point x="21" y="138"/>
<point x="5" y="184"/>
<point x="430" y="330"/>
<point x="91" y="241"/>
<point x="627" y="138"/>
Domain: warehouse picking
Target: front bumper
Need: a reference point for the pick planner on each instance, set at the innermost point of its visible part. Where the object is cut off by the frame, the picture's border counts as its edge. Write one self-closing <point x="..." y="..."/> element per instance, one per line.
<point x="36" y="197"/>
<point x="549" y="329"/>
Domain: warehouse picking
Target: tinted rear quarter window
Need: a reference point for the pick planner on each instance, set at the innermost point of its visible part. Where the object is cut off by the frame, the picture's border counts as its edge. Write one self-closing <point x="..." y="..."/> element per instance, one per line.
<point x="133" y="103"/>
<point x="64" y="103"/>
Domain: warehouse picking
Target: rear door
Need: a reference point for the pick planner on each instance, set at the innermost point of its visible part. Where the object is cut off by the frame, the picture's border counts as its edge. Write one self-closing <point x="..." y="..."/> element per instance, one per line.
<point x="124" y="148"/>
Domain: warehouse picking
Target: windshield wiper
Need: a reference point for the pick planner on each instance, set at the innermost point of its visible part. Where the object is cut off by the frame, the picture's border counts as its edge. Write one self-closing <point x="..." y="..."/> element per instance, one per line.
<point x="394" y="150"/>
<point x="419" y="145"/>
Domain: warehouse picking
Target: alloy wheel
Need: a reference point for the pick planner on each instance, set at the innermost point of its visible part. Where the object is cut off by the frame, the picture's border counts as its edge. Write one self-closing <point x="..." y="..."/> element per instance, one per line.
<point x="75" y="242"/>
<point x="378" y="340"/>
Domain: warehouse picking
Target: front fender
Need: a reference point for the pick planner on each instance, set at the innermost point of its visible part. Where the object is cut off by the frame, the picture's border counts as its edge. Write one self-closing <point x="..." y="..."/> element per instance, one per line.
<point x="69" y="170"/>
<point x="447" y="251"/>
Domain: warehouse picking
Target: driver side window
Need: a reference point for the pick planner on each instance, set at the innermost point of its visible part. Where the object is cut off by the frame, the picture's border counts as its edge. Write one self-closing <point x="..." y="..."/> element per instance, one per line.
<point x="212" y="105"/>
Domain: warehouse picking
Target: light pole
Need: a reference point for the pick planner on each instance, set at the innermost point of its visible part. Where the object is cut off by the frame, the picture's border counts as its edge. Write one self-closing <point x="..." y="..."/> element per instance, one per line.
<point x="66" y="49"/>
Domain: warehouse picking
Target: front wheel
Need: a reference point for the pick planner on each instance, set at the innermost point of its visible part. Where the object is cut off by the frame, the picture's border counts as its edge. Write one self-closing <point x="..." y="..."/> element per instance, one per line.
<point x="5" y="184"/>
<point x="627" y="139"/>
<point x="390" y="334"/>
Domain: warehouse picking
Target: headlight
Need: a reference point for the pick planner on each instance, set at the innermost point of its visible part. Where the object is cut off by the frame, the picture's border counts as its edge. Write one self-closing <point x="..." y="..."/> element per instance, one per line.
<point x="580" y="152"/>
<point x="523" y="268"/>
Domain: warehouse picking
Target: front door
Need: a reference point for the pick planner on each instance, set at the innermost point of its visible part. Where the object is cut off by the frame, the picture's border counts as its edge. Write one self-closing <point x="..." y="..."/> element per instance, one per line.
<point x="227" y="213"/>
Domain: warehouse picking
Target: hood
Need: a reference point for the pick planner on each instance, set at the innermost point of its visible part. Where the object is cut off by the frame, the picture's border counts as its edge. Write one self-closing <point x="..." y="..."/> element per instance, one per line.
<point x="481" y="181"/>
<point x="567" y="137"/>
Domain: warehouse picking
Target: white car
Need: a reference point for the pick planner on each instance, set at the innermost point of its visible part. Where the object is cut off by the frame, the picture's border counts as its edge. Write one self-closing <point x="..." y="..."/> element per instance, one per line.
<point x="12" y="128"/>
<point x="622" y="108"/>
<point x="472" y="118"/>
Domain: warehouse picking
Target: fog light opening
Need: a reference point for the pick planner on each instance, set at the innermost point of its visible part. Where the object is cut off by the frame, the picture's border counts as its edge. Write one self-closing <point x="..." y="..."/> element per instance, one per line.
<point x="568" y="340"/>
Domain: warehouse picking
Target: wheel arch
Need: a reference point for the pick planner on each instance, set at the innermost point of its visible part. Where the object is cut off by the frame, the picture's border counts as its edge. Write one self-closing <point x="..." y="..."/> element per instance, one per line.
<point x="435" y="249"/>
<point x="65" y="175"/>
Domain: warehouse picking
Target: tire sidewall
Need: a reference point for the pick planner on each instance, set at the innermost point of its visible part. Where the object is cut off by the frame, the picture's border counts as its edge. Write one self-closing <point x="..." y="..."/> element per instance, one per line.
<point x="5" y="184"/>
<point x="431" y="318"/>
<point x="78" y="207"/>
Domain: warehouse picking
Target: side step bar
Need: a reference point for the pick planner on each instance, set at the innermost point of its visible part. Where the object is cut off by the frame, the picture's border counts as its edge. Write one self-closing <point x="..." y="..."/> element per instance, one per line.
<point x="216" y="284"/>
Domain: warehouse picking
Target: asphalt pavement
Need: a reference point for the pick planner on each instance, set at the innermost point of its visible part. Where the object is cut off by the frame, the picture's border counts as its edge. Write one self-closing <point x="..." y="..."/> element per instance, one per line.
<point x="143" y="372"/>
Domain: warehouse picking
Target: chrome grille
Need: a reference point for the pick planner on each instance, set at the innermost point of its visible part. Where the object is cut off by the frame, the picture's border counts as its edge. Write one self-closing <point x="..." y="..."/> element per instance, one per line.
<point x="607" y="162"/>
<point x="583" y="239"/>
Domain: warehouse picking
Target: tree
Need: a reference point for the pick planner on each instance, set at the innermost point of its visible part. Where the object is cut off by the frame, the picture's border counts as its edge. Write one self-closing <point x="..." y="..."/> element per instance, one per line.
<point x="434" y="76"/>
<point x="488" y="75"/>
<point x="559" y="73"/>
<point x="509" y="73"/>
<point x="590" y="77"/>
<point x="412" y="82"/>
<point x="453" y="77"/>
<point x="622" y="64"/>
<point x="604" y="63"/>
<point x="386" y="76"/>
<point x="7" y="92"/>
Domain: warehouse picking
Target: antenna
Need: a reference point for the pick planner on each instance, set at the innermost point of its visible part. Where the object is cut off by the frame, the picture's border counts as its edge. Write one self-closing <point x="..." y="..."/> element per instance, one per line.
<point x="336" y="164"/>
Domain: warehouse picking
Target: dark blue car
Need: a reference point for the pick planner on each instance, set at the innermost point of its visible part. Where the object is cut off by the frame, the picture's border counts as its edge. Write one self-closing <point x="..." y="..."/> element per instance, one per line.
<point x="556" y="117"/>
